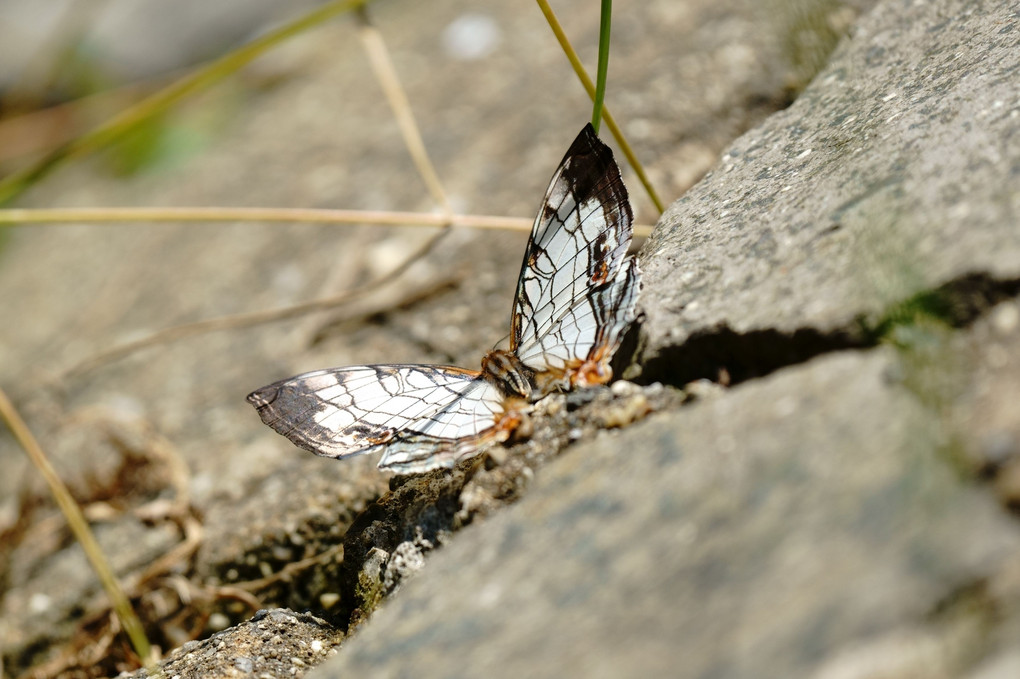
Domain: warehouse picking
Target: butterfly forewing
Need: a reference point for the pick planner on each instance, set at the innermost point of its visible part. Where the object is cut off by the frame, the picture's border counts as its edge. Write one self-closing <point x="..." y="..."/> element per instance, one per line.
<point x="574" y="263"/>
<point x="346" y="411"/>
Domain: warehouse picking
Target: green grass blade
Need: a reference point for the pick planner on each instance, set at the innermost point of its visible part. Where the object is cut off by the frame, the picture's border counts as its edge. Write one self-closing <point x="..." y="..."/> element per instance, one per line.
<point x="17" y="182"/>
<point x="606" y="22"/>
<point x="582" y="75"/>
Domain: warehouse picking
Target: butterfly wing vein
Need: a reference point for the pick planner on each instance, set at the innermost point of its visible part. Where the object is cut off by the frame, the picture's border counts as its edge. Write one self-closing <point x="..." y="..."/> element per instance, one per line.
<point x="577" y="288"/>
<point x="576" y="295"/>
<point x="413" y="412"/>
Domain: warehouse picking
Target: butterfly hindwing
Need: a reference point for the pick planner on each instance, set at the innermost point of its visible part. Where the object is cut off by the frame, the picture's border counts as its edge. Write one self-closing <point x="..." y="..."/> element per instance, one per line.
<point x="436" y="410"/>
<point x="592" y="327"/>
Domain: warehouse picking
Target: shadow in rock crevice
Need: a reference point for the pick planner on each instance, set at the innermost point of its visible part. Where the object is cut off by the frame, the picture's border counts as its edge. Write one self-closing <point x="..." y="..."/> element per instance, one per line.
<point x="724" y="355"/>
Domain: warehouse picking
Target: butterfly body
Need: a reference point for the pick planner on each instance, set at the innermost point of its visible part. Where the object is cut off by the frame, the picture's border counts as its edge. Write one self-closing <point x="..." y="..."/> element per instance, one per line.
<point x="576" y="295"/>
<point x="506" y="372"/>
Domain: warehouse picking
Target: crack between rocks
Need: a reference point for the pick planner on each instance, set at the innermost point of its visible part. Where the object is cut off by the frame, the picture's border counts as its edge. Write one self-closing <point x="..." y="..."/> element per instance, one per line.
<point x="720" y="354"/>
<point x="724" y="355"/>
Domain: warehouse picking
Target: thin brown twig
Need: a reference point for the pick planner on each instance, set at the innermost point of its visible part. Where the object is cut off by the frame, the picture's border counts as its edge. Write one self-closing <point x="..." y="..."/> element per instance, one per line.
<point x="236" y="594"/>
<point x="389" y="304"/>
<point x="194" y="534"/>
<point x="290" y="570"/>
<point x="78" y="215"/>
<point x="79" y="526"/>
<point x="252" y="318"/>
<point x="78" y="652"/>
<point x="386" y="74"/>
<point x="256" y="214"/>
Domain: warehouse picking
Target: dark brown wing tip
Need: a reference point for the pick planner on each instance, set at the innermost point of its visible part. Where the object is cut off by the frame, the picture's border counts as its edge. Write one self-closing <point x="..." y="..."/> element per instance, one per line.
<point x="264" y="400"/>
<point x="588" y="142"/>
<point x="591" y="166"/>
<point x="260" y="398"/>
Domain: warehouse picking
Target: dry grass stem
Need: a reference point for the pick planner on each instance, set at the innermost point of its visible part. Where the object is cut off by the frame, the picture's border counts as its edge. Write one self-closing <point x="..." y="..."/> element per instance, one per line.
<point x="79" y="526"/>
<point x="589" y="87"/>
<point x="249" y="319"/>
<point x="256" y="214"/>
<point x="386" y="74"/>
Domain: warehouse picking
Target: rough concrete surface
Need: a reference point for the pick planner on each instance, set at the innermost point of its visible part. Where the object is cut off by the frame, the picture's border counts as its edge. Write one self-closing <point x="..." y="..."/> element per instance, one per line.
<point x="273" y="643"/>
<point x="893" y="173"/>
<point x="764" y="532"/>
<point x="823" y="521"/>
<point x="253" y="522"/>
<point x="838" y="516"/>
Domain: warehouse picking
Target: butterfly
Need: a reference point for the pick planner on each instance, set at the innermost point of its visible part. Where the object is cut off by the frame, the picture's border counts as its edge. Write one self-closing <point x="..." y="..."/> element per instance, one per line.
<point x="576" y="295"/>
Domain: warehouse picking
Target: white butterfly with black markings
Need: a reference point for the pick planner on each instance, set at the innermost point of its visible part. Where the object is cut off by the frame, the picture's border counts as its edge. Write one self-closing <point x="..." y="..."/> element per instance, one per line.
<point x="575" y="298"/>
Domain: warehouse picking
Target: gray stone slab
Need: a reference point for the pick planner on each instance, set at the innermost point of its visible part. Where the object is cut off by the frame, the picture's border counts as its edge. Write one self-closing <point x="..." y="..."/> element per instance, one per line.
<point x="974" y="377"/>
<point x="273" y="643"/>
<point x="321" y="136"/>
<point x="762" y="533"/>
<point x="814" y="521"/>
<point x="895" y="172"/>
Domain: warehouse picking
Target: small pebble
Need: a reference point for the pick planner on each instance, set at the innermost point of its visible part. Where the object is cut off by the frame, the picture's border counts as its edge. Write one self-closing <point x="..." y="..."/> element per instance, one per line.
<point x="471" y="36"/>
<point x="218" y="622"/>
<point x="1006" y="318"/>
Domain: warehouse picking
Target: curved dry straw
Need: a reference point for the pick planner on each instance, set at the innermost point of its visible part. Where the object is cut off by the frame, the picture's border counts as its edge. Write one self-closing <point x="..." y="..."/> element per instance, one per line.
<point x="80" y="527"/>
<point x="589" y="86"/>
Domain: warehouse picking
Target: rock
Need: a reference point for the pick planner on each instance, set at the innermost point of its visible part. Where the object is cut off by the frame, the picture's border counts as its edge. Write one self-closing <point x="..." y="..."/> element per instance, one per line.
<point x="767" y="532"/>
<point x="388" y="542"/>
<point x="886" y="180"/>
<point x="824" y="520"/>
<point x="837" y="515"/>
<point x="265" y="508"/>
<point x="275" y="643"/>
